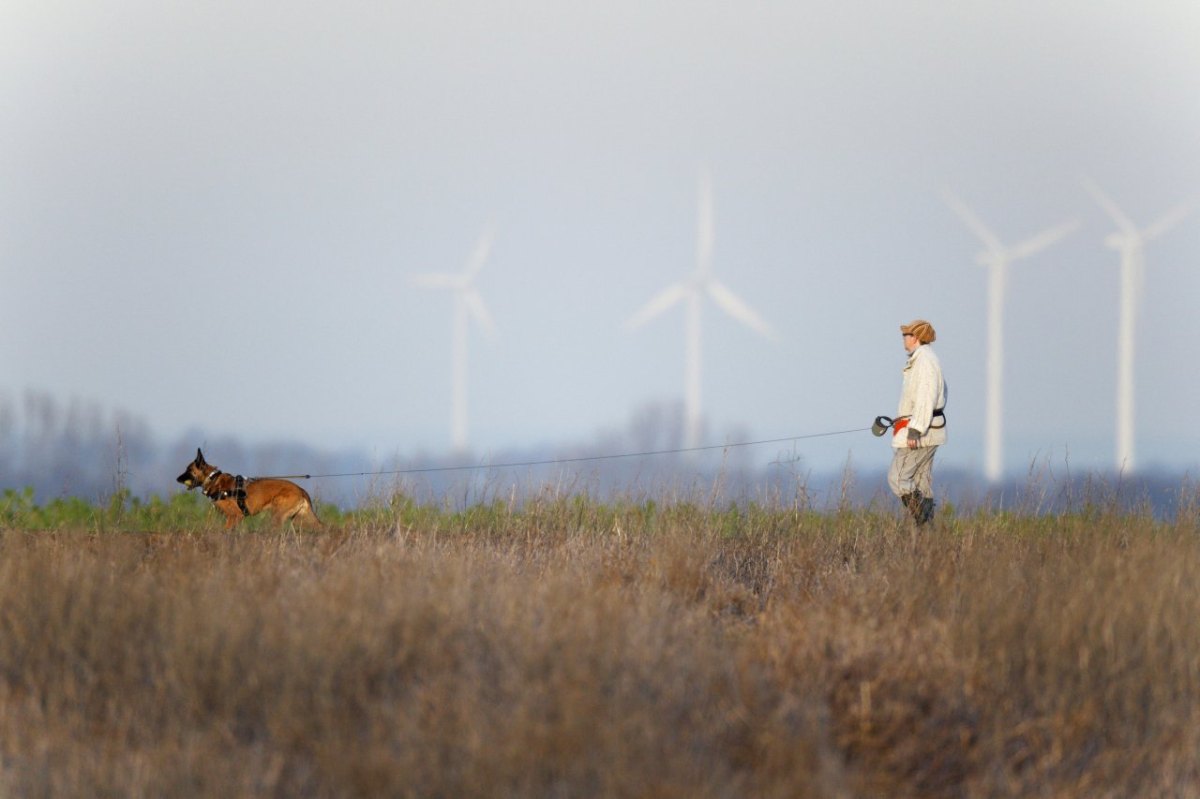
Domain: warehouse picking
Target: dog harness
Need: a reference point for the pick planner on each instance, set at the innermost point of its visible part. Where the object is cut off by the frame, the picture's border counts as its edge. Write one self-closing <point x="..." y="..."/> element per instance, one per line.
<point x="238" y="494"/>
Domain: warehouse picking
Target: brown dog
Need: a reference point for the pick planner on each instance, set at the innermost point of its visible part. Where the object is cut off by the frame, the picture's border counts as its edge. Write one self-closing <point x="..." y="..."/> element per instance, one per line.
<point x="238" y="497"/>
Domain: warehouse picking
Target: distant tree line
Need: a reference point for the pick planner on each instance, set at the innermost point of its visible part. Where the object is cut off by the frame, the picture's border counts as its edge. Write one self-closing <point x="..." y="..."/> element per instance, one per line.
<point x="73" y="448"/>
<point x="77" y="448"/>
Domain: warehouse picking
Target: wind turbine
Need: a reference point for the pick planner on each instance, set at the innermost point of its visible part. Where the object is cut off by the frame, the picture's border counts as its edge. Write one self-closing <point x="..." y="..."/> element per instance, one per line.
<point x="997" y="258"/>
<point x="693" y="290"/>
<point x="1130" y="242"/>
<point x="468" y="304"/>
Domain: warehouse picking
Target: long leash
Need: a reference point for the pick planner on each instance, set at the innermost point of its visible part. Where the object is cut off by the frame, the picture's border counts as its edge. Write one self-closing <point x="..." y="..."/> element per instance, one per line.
<point x="563" y="461"/>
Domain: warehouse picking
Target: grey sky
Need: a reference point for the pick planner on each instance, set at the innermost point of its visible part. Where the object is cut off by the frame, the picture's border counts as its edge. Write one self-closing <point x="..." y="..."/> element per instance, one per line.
<point x="209" y="212"/>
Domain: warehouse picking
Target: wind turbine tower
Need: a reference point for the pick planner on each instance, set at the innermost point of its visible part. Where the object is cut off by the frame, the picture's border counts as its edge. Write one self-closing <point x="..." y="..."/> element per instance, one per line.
<point x="1130" y="242"/>
<point x="997" y="258"/>
<point x="468" y="304"/>
<point x="692" y="291"/>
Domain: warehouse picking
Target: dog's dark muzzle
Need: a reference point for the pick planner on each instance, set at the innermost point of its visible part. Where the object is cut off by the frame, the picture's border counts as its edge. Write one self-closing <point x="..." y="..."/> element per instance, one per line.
<point x="187" y="479"/>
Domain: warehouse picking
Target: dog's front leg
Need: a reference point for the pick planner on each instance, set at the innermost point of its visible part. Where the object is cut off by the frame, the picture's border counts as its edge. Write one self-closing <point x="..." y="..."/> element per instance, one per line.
<point x="232" y="515"/>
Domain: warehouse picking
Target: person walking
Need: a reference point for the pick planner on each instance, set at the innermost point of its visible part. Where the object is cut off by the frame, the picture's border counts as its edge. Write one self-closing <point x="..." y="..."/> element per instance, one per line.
<point x="920" y="425"/>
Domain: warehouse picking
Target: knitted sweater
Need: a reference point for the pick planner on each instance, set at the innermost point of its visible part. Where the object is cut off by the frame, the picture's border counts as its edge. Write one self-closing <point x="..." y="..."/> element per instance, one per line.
<point x="923" y="392"/>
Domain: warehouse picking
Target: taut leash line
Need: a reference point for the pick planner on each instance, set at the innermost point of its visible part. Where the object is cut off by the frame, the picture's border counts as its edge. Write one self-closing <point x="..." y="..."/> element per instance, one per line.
<point x="563" y="461"/>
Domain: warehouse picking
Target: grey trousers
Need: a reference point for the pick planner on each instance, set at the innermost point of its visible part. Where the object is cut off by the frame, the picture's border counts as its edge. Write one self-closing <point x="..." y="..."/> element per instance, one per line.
<point x="912" y="470"/>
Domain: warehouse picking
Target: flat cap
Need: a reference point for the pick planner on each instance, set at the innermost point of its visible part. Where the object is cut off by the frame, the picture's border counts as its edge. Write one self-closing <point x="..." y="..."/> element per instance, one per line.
<point x="921" y="330"/>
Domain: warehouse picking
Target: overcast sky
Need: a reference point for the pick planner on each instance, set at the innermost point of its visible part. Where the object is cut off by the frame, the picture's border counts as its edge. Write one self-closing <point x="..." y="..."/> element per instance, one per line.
<point x="210" y="213"/>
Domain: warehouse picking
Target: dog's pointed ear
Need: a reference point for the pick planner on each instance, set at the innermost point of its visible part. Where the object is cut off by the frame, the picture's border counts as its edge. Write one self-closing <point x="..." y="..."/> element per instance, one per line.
<point x="199" y="456"/>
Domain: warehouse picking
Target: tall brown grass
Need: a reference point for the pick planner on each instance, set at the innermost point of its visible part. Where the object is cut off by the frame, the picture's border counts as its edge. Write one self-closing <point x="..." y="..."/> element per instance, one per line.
<point x="570" y="649"/>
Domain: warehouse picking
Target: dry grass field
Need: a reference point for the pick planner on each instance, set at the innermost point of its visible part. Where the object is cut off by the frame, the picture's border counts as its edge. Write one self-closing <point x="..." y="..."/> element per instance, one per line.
<point x="575" y="649"/>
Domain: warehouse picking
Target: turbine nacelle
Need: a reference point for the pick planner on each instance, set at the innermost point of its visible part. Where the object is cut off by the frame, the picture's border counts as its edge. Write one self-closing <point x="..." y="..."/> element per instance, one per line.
<point x="1122" y="242"/>
<point x="441" y="281"/>
<point x="991" y="259"/>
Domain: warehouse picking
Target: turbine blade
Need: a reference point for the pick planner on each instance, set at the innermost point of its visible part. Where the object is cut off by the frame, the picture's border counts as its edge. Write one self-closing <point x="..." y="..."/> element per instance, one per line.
<point x="480" y="254"/>
<point x="1104" y="201"/>
<point x="1043" y="240"/>
<point x="705" y="228"/>
<point x="960" y="208"/>
<point x="436" y="281"/>
<point x="660" y="303"/>
<point x="733" y="305"/>
<point x="1168" y="221"/>
<point x="477" y="309"/>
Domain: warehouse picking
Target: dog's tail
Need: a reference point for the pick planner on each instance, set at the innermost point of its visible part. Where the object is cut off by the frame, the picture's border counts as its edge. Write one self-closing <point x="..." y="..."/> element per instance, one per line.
<point x="309" y="509"/>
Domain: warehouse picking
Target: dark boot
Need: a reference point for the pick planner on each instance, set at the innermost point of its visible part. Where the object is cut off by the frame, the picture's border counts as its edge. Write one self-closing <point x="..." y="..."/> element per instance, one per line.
<point x="924" y="513"/>
<point x="919" y="506"/>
